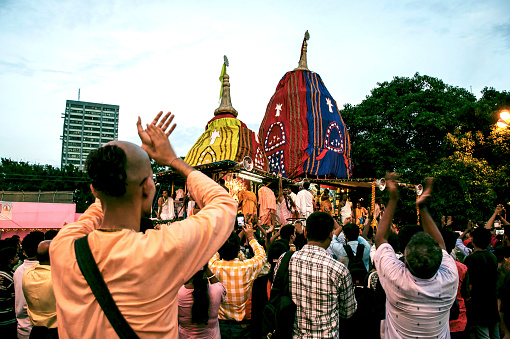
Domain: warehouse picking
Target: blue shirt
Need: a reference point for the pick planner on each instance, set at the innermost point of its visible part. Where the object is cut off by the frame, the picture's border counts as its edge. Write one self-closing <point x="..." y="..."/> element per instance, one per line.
<point x="337" y="247"/>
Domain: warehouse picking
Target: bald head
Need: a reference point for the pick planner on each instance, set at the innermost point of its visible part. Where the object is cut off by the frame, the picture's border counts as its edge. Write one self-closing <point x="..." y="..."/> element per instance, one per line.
<point x="118" y="168"/>
<point x="43" y="252"/>
<point x="138" y="164"/>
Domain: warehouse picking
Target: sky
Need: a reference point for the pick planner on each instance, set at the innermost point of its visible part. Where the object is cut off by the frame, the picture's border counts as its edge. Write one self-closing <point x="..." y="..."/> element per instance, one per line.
<point x="150" y="56"/>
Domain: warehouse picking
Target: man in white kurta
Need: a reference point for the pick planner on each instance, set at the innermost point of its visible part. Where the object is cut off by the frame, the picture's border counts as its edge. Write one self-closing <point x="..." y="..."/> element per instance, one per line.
<point x="304" y="201"/>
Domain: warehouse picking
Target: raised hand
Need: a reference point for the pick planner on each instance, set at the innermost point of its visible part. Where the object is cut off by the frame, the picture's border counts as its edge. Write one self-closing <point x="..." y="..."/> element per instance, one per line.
<point x="248" y="231"/>
<point x="427" y="192"/>
<point x="155" y="138"/>
<point x="392" y="185"/>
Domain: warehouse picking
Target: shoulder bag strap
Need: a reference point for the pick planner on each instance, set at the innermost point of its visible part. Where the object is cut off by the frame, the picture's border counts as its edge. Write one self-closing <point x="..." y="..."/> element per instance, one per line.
<point x="286" y="281"/>
<point x="348" y="250"/>
<point x="90" y="271"/>
<point x="360" y="251"/>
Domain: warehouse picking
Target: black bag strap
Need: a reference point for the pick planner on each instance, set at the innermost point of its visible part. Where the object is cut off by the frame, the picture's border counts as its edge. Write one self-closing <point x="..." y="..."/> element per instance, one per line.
<point x="282" y="276"/>
<point x="90" y="271"/>
<point x="360" y="251"/>
<point x="348" y="250"/>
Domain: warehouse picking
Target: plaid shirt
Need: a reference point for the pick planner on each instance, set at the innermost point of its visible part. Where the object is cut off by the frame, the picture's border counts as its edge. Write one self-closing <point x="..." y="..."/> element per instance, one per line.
<point x="322" y="290"/>
<point x="238" y="277"/>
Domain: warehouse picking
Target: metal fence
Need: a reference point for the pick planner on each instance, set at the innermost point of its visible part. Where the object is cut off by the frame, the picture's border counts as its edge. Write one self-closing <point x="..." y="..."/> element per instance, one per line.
<point x="59" y="197"/>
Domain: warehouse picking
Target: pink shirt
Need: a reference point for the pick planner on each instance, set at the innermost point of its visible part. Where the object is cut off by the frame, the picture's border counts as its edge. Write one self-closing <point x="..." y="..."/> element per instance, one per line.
<point x="143" y="271"/>
<point x="187" y="329"/>
<point x="285" y="213"/>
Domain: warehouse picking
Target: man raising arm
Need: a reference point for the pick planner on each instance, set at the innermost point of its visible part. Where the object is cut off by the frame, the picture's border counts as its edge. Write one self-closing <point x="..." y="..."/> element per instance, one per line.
<point x="143" y="272"/>
<point x="421" y="291"/>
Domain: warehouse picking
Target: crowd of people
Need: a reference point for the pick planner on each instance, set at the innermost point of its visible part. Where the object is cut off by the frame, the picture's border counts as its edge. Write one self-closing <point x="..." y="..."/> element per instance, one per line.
<point x="213" y="273"/>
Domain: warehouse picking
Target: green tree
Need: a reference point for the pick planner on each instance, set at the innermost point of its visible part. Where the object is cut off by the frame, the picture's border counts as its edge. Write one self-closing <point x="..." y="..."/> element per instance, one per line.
<point x="465" y="184"/>
<point x="422" y="127"/>
<point x="401" y="126"/>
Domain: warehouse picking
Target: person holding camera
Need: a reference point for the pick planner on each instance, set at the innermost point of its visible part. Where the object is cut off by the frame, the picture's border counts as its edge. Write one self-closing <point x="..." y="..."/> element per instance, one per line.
<point x="238" y="277"/>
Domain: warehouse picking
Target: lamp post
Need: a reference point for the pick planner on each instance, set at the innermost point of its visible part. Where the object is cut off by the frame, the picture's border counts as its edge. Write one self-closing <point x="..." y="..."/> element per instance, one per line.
<point x="504" y="120"/>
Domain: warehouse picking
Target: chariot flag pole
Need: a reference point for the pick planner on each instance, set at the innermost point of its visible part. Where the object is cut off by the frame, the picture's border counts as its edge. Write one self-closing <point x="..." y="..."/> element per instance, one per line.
<point x="223" y="72"/>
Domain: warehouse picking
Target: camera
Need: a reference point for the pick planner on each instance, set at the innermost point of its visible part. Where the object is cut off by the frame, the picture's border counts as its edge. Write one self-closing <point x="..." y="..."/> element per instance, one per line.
<point x="240" y="220"/>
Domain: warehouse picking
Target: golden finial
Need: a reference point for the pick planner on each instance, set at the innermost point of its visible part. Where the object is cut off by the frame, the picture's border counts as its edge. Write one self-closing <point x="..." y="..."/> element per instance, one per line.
<point x="302" y="61"/>
<point x="226" y="104"/>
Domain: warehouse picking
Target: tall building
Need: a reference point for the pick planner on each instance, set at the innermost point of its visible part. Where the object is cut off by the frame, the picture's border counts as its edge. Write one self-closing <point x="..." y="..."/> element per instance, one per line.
<point x="87" y="126"/>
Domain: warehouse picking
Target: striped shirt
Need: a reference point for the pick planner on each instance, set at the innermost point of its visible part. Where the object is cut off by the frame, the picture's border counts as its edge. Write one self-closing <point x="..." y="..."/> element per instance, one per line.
<point x="322" y="290"/>
<point x="7" y="314"/>
<point x="237" y="276"/>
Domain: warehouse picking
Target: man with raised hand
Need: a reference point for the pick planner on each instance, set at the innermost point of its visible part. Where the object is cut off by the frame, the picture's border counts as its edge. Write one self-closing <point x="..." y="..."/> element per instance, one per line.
<point x="421" y="290"/>
<point x="143" y="271"/>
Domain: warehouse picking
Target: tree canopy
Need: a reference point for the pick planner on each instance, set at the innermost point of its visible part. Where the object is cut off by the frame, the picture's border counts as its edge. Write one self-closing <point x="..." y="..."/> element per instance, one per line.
<point x="422" y="127"/>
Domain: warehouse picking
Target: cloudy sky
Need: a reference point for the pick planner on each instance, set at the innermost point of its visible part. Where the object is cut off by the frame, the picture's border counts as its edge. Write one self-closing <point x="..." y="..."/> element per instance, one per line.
<point x="148" y="56"/>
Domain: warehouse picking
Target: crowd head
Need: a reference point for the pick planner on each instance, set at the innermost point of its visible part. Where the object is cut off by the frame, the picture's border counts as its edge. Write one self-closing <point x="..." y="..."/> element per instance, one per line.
<point x="230" y="248"/>
<point x="423" y="255"/>
<point x="319" y="226"/>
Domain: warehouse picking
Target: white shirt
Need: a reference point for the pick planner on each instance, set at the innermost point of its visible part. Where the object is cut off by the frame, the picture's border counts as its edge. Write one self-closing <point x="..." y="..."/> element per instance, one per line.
<point x="346" y="211"/>
<point x="304" y="203"/>
<point x="20" y="303"/>
<point x="415" y="307"/>
<point x="463" y="249"/>
<point x="167" y="209"/>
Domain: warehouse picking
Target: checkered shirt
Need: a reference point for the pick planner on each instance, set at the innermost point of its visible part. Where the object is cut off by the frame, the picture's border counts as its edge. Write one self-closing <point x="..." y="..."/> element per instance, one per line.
<point x="322" y="290"/>
<point x="237" y="276"/>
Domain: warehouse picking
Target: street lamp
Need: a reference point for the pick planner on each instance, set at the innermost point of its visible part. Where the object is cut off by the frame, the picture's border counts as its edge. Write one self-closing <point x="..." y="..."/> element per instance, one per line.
<point x="504" y="120"/>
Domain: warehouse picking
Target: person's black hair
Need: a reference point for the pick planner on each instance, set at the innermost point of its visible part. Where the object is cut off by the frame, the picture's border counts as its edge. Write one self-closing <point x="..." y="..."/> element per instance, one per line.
<point x="287" y="231"/>
<point x="230" y="248"/>
<point x="276" y="249"/>
<point x="7" y="253"/>
<point x="370" y="233"/>
<point x="49" y="235"/>
<point x="30" y="243"/>
<point x="502" y="252"/>
<point x="306" y="185"/>
<point x="146" y="224"/>
<point x="319" y="226"/>
<point x="393" y="240"/>
<point x="351" y="231"/>
<point x="201" y="299"/>
<point x="481" y="237"/>
<point x="423" y="256"/>
<point x="450" y="238"/>
<point x="405" y="234"/>
<point x="106" y="168"/>
<point x="221" y="181"/>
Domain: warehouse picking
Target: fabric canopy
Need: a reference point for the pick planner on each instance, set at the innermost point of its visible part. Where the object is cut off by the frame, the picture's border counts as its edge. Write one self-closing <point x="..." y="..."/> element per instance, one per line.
<point x="303" y="132"/>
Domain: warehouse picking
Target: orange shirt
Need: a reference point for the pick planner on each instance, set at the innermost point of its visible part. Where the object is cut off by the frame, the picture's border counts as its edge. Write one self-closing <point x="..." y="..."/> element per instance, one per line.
<point x="247" y="202"/>
<point x="143" y="271"/>
<point x="327" y="207"/>
<point x="237" y="276"/>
